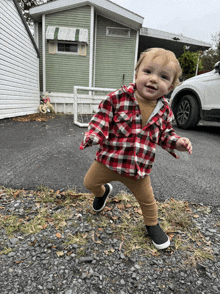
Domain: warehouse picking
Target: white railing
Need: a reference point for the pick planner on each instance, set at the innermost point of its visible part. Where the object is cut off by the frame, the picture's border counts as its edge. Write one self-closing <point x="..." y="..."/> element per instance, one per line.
<point x="86" y="105"/>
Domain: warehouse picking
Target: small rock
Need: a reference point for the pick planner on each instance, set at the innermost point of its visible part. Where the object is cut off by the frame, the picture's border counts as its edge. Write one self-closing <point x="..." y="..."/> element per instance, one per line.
<point x="86" y="259"/>
<point x="171" y="286"/>
<point x="13" y="241"/>
<point x="215" y="289"/>
<point x="212" y="230"/>
<point x="137" y="266"/>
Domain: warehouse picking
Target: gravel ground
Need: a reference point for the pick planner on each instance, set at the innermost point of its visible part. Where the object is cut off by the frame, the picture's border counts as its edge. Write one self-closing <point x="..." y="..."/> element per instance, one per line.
<point x="41" y="260"/>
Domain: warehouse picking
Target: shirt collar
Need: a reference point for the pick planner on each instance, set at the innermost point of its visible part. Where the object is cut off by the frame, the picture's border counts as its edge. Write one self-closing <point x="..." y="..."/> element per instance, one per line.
<point x="161" y="102"/>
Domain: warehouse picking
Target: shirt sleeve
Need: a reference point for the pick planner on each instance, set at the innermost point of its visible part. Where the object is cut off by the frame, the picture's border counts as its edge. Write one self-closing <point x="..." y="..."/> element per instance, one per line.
<point x="98" y="129"/>
<point x="168" y="136"/>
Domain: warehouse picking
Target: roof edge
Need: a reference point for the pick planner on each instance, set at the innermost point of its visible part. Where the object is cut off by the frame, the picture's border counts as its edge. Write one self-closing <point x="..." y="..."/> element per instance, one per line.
<point x="148" y="32"/>
<point x="107" y="5"/>
<point x="26" y="27"/>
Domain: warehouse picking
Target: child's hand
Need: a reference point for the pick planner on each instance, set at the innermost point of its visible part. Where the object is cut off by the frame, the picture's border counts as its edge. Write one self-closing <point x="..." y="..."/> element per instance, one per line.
<point x="184" y="144"/>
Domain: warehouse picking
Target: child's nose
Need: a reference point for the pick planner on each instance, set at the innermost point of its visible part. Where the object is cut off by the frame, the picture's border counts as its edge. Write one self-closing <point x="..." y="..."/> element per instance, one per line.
<point x="154" y="78"/>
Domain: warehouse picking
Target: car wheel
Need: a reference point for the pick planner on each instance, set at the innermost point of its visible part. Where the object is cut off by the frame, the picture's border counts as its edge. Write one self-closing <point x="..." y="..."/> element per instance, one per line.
<point x="187" y="112"/>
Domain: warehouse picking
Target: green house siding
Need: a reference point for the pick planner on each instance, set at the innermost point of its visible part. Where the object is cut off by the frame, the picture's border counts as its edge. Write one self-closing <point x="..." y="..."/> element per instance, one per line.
<point x="63" y="71"/>
<point x="114" y="61"/>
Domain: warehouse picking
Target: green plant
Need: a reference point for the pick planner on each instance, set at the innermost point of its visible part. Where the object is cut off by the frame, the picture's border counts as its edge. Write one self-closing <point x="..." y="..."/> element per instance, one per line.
<point x="188" y="62"/>
<point x="5" y="251"/>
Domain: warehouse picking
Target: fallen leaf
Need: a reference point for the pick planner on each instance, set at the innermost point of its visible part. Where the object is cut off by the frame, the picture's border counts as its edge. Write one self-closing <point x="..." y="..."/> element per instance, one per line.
<point x="128" y="205"/>
<point x="38" y="204"/>
<point x="155" y="253"/>
<point x="15" y="194"/>
<point x="69" y="253"/>
<point x="60" y="253"/>
<point x="19" y="261"/>
<point x="33" y="243"/>
<point x="108" y="208"/>
<point x="121" y="206"/>
<point x="49" y="220"/>
<point x="116" y="200"/>
<point x="138" y="211"/>
<point x="2" y="207"/>
<point x="58" y="235"/>
<point x="196" y="215"/>
<point x="44" y="226"/>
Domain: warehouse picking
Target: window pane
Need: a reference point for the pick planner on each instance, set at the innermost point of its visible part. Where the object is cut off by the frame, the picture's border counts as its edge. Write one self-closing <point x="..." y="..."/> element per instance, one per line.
<point x="73" y="47"/>
<point x="67" y="47"/>
<point x="122" y="32"/>
<point x="61" y="47"/>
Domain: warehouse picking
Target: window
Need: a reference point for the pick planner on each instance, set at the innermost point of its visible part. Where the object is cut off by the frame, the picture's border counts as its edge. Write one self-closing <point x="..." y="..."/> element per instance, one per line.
<point x="117" y="32"/>
<point x="77" y="48"/>
<point x="67" y="47"/>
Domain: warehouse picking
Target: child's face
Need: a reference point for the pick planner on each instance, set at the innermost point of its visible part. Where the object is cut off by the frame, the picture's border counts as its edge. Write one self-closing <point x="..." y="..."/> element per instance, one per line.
<point x="153" y="79"/>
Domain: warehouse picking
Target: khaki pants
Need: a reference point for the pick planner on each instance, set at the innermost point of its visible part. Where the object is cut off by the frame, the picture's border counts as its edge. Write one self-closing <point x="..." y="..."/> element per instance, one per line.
<point x="99" y="174"/>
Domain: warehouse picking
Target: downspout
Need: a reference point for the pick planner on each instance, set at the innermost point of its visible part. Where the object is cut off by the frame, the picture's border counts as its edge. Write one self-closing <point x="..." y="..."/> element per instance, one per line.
<point x="43" y="53"/>
<point x="36" y="34"/>
<point x="36" y="38"/>
<point x="91" y="46"/>
<point x="136" y="52"/>
<point x="94" y="63"/>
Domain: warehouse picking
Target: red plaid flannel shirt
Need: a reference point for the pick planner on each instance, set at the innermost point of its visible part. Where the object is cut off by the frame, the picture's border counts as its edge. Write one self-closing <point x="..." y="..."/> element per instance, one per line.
<point x="124" y="146"/>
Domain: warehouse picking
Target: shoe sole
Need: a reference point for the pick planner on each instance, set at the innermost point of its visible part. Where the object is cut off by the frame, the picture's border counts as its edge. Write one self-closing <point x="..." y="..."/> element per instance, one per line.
<point x="103" y="206"/>
<point x="162" y="246"/>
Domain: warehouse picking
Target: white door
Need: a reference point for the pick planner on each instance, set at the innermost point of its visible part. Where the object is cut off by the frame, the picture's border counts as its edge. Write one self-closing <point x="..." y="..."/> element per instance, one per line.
<point x="212" y="91"/>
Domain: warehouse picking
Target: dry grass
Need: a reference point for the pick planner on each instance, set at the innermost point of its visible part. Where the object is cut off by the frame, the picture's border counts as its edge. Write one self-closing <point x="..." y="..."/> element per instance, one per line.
<point x="121" y="214"/>
<point x="35" y="117"/>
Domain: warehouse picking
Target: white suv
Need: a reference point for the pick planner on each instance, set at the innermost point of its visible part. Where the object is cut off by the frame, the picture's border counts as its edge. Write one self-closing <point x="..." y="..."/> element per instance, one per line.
<point x="197" y="98"/>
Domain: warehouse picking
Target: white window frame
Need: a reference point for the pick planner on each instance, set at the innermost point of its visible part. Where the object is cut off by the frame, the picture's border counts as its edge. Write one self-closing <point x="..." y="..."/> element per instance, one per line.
<point x="119" y="29"/>
<point x="53" y="48"/>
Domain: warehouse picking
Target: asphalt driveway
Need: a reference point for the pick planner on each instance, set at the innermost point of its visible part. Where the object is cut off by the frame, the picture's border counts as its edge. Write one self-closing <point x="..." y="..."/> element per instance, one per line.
<point x="37" y="153"/>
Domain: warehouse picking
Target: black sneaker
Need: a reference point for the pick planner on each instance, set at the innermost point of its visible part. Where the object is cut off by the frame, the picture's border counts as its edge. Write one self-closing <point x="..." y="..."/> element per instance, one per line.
<point x="99" y="202"/>
<point x="159" y="238"/>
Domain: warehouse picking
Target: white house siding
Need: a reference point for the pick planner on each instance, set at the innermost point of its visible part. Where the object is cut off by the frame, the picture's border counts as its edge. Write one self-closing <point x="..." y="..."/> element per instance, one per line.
<point x="19" y="65"/>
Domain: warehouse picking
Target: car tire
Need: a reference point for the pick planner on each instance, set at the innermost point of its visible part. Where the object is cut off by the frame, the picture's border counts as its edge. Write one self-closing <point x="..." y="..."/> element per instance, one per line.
<point x="187" y="112"/>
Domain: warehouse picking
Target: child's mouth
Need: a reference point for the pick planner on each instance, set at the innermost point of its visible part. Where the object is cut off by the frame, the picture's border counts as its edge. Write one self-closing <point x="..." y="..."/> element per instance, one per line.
<point x="151" y="87"/>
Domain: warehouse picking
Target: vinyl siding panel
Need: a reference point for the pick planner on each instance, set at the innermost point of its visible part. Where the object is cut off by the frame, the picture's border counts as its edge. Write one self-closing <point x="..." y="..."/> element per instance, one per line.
<point x="63" y="71"/>
<point x="19" y="72"/>
<point x="114" y="62"/>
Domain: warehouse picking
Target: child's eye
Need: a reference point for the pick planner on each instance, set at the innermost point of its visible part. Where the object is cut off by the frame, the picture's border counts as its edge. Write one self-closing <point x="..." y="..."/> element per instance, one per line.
<point x="165" y="77"/>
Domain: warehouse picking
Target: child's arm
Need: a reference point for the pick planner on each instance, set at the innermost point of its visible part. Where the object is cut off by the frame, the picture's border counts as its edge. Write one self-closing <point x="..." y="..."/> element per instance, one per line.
<point x="184" y="144"/>
<point x="98" y="129"/>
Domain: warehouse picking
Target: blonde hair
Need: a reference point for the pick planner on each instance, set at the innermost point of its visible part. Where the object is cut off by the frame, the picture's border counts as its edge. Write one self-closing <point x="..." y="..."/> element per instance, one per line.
<point x="165" y="55"/>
